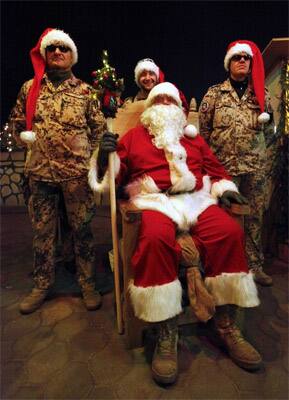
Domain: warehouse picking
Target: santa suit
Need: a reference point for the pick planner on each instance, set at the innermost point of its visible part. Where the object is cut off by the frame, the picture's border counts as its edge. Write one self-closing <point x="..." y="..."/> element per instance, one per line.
<point x="178" y="187"/>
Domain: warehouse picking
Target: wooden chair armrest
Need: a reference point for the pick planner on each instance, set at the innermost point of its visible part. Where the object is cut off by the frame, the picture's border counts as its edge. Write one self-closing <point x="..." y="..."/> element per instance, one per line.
<point x="239" y="209"/>
<point x="129" y="212"/>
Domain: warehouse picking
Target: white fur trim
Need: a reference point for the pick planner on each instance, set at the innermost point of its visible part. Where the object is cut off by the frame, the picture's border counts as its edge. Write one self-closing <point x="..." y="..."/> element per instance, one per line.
<point x="58" y="36"/>
<point x="263" y="118"/>
<point x="236" y="49"/>
<point x="183" y="180"/>
<point x="163" y="88"/>
<point x="233" y="288"/>
<point x="143" y="65"/>
<point x="183" y="209"/>
<point x="156" y="303"/>
<point x="142" y="186"/>
<point x="97" y="185"/>
<point x="28" y="136"/>
<point x="218" y="188"/>
<point x="190" y="131"/>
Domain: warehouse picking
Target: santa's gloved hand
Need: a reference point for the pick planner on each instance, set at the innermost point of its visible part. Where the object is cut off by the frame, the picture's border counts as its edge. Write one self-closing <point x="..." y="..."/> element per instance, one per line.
<point x="229" y="197"/>
<point x="108" y="144"/>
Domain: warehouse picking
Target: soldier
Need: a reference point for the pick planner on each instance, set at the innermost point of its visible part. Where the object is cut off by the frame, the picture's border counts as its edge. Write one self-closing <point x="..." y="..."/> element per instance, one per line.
<point x="147" y="75"/>
<point x="172" y="175"/>
<point x="63" y="125"/>
<point x="232" y="121"/>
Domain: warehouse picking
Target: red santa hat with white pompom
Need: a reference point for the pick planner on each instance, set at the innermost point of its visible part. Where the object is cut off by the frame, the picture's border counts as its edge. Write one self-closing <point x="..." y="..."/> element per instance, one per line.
<point x="171" y="90"/>
<point x="257" y="67"/>
<point x="38" y="59"/>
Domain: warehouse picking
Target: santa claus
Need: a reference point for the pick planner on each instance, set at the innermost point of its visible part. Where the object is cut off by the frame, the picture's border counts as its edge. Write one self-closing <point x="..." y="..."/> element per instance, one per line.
<point x="171" y="174"/>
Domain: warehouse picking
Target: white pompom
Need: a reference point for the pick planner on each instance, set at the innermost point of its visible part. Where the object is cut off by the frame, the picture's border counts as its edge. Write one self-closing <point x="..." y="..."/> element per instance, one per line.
<point x="190" y="131"/>
<point x="28" y="136"/>
<point x="263" y="118"/>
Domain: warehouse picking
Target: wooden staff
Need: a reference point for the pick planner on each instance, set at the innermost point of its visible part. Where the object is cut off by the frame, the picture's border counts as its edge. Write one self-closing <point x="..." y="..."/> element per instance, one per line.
<point x="114" y="234"/>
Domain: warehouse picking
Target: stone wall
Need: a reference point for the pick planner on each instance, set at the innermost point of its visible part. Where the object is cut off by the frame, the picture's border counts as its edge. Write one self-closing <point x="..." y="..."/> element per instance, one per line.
<point x="11" y="169"/>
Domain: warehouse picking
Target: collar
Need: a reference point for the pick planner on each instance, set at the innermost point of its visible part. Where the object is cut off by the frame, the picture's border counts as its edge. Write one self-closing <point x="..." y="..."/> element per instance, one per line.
<point x="227" y="87"/>
<point x="72" y="81"/>
<point x="239" y="84"/>
<point x="140" y="96"/>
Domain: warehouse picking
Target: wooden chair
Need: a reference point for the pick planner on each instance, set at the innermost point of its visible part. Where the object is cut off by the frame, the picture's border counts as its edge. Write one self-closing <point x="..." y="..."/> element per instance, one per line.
<point x="128" y="117"/>
<point x="131" y="220"/>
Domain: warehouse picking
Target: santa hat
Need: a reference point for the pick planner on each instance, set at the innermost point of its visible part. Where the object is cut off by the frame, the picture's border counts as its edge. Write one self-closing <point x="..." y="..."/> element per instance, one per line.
<point x="38" y="59"/>
<point x="170" y="90"/>
<point x="147" y="64"/>
<point x="257" y="66"/>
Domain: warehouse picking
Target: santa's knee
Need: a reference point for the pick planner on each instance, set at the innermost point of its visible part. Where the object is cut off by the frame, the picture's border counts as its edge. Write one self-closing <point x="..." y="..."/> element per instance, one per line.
<point x="233" y="232"/>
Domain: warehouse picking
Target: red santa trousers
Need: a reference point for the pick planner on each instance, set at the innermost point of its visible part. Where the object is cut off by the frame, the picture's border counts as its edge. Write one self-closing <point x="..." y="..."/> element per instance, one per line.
<point x="156" y="291"/>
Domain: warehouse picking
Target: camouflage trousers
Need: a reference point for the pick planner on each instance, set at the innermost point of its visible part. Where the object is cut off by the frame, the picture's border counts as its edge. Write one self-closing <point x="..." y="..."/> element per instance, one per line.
<point x="43" y="210"/>
<point x="252" y="186"/>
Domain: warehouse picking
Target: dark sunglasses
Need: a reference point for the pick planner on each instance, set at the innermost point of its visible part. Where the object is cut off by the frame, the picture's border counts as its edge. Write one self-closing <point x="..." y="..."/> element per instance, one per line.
<point x="53" y="47"/>
<point x="238" y="57"/>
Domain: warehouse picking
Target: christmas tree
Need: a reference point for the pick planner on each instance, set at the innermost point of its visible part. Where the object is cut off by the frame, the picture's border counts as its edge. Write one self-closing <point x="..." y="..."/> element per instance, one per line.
<point x="109" y="88"/>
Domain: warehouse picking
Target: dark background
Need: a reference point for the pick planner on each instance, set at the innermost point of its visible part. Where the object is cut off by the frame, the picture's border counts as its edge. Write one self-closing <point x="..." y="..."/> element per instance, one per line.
<point x="187" y="39"/>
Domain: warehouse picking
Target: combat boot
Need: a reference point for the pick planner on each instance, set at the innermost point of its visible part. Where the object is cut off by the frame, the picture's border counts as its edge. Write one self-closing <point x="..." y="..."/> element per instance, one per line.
<point x="261" y="277"/>
<point x="91" y="297"/>
<point x="165" y="359"/>
<point x="240" y="351"/>
<point x="33" y="301"/>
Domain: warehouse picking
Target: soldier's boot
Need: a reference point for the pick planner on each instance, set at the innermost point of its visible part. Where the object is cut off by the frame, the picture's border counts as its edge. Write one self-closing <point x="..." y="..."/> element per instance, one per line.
<point x="33" y="301"/>
<point x="261" y="277"/>
<point x="165" y="359"/>
<point x="91" y="297"/>
<point x="240" y="351"/>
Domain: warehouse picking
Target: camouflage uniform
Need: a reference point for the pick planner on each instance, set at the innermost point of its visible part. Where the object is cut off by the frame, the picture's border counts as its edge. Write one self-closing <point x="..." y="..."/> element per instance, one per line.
<point x="230" y="126"/>
<point x="139" y="96"/>
<point x="68" y="126"/>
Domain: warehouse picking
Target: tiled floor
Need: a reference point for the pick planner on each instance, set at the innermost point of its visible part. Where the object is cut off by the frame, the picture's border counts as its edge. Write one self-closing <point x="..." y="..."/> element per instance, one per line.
<point x="64" y="352"/>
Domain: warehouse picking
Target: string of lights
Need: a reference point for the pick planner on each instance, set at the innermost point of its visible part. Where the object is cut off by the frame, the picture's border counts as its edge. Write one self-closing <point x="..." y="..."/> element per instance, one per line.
<point x="6" y="139"/>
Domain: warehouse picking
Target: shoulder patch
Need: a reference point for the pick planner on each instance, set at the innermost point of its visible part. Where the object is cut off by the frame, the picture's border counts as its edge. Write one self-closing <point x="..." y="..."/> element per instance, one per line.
<point x="204" y="106"/>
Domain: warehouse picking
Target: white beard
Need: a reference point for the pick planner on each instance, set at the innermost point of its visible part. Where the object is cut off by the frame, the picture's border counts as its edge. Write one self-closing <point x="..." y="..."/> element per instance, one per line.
<point x="165" y="123"/>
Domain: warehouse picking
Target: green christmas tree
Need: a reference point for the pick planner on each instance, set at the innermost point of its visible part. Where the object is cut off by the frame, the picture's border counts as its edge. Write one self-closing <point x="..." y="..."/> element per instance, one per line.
<point x="108" y="86"/>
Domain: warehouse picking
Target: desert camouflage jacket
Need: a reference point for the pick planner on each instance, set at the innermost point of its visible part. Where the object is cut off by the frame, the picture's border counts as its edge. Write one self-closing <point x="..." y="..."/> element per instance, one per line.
<point x="230" y="126"/>
<point x="68" y="126"/>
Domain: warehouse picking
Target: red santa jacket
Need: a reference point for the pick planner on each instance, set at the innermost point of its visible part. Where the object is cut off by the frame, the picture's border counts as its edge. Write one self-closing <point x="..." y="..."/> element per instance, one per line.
<point x="180" y="180"/>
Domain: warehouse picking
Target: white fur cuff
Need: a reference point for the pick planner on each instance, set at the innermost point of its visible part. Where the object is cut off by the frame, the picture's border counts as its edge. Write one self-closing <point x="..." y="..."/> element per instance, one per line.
<point x="28" y="136"/>
<point x="233" y="288"/>
<point x="156" y="303"/>
<point x="94" y="182"/>
<point x="218" y="188"/>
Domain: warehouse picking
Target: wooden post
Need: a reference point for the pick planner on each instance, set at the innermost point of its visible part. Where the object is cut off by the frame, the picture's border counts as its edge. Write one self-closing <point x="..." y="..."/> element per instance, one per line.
<point x="114" y="235"/>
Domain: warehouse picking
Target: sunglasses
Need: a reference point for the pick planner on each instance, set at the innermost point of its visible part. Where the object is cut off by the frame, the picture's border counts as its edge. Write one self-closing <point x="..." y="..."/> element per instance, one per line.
<point x="53" y="47"/>
<point x="238" y="57"/>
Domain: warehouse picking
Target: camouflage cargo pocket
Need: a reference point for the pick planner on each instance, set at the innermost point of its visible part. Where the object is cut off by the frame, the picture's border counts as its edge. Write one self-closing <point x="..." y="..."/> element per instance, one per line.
<point x="224" y="115"/>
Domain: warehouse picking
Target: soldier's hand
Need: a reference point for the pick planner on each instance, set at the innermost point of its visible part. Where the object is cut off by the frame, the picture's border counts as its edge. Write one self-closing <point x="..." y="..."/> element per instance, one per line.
<point x="108" y="144"/>
<point x="229" y="197"/>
